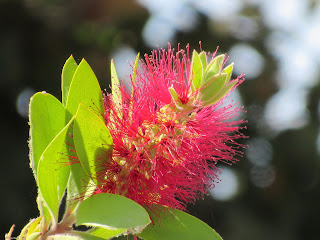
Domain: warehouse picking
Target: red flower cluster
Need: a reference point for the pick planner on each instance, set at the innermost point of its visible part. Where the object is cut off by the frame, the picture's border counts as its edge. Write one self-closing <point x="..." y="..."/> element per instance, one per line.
<point x="165" y="148"/>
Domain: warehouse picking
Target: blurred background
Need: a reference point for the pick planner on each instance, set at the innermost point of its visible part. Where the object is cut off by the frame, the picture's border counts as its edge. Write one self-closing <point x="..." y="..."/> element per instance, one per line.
<point x="273" y="192"/>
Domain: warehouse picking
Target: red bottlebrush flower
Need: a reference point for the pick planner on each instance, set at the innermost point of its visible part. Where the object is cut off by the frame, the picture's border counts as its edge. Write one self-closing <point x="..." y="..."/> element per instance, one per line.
<point x="167" y="142"/>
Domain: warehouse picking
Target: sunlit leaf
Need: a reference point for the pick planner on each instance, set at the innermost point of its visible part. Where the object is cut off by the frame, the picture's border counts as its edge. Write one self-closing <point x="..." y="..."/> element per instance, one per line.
<point x="84" y="89"/>
<point x="101" y="233"/>
<point x="196" y="71"/>
<point x="134" y="75"/>
<point x="34" y="236"/>
<point x="53" y="173"/>
<point x="213" y="68"/>
<point x="115" y="86"/>
<point x="34" y="226"/>
<point x="222" y="93"/>
<point x="112" y="211"/>
<point x="44" y="212"/>
<point x="135" y="68"/>
<point x="92" y="140"/>
<point x="77" y="186"/>
<point x="47" y="118"/>
<point x="173" y="224"/>
<point x="29" y="228"/>
<point x="228" y="70"/>
<point x="214" y="87"/>
<point x="203" y="58"/>
<point x="68" y="71"/>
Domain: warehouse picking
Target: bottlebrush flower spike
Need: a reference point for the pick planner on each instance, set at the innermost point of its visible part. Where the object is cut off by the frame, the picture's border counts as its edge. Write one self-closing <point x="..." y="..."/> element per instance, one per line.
<point x="168" y="131"/>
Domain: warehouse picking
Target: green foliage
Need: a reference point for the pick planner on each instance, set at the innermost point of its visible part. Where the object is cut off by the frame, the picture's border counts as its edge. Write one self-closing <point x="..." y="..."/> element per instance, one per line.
<point x="68" y="71"/>
<point x="172" y="224"/>
<point x="115" y="85"/>
<point x="84" y="89"/>
<point x="101" y="233"/>
<point x="69" y="142"/>
<point x="113" y="212"/>
<point x="197" y="69"/>
<point x="92" y="140"/>
<point x="135" y="68"/>
<point x="53" y="173"/>
<point x="213" y="69"/>
<point x="212" y="88"/>
<point x="47" y="118"/>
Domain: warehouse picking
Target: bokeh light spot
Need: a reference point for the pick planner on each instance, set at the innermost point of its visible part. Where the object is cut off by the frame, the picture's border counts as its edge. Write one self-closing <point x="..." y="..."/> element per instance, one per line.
<point x="286" y="110"/>
<point x="22" y="103"/>
<point x="157" y="33"/>
<point x="123" y="58"/>
<point x="262" y="176"/>
<point x="259" y="152"/>
<point x="247" y="59"/>
<point x="227" y="188"/>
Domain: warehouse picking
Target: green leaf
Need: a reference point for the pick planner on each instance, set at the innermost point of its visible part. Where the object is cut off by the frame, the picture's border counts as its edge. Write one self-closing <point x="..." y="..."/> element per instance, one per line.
<point x="173" y="224"/>
<point x="34" y="226"/>
<point x="228" y="70"/>
<point x="47" y="118"/>
<point x="44" y="212"/>
<point x="115" y="86"/>
<point x="135" y="68"/>
<point x="34" y="236"/>
<point x="52" y="173"/>
<point x="112" y="211"/>
<point x="196" y="71"/>
<point x="68" y="71"/>
<point x="77" y="187"/>
<point x="134" y="75"/>
<point x="214" y="87"/>
<point x="213" y="68"/>
<point x="87" y="236"/>
<point x="84" y="89"/>
<point x="221" y="94"/>
<point x="101" y="233"/>
<point x="203" y="58"/>
<point x="29" y="228"/>
<point x="126" y="237"/>
<point x="174" y="94"/>
<point x="92" y="140"/>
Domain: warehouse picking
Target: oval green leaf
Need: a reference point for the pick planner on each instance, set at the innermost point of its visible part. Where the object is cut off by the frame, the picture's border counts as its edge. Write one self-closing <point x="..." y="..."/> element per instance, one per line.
<point x="203" y="58"/>
<point x="84" y="89"/>
<point x="214" y="87"/>
<point x="173" y="224"/>
<point x="47" y="118"/>
<point x="228" y="70"/>
<point x="112" y="211"/>
<point x="101" y="233"/>
<point x="68" y="71"/>
<point x="92" y="140"/>
<point x="53" y="173"/>
<point x="213" y="68"/>
<point x="222" y="93"/>
<point x="196" y="71"/>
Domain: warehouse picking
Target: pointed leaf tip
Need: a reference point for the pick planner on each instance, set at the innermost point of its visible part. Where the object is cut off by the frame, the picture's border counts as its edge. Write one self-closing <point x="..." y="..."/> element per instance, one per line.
<point x="84" y="89"/>
<point x="68" y="71"/>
